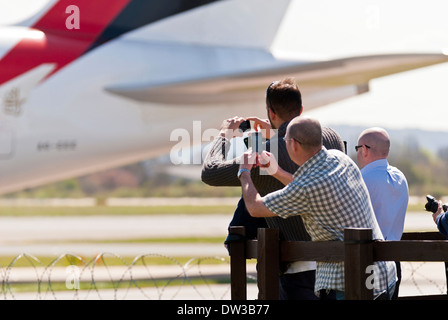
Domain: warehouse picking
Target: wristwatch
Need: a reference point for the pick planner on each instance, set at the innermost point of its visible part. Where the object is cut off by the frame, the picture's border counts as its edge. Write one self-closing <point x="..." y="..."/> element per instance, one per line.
<point x="240" y="172"/>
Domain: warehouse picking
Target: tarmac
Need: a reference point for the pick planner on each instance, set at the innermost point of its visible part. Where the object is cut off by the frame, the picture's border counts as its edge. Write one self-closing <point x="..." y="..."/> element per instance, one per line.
<point x="44" y="236"/>
<point x="84" y="235"/>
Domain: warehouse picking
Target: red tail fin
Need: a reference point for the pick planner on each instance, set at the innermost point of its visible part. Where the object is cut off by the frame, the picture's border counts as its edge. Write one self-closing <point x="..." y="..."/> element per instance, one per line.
<point x="70" y="30"/>
<point x="93" y="17"/>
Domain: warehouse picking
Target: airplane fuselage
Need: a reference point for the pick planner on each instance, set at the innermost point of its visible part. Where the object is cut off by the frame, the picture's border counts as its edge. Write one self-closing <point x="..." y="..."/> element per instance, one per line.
<point x="91" y="85"/>
<point x="70" y="126"/>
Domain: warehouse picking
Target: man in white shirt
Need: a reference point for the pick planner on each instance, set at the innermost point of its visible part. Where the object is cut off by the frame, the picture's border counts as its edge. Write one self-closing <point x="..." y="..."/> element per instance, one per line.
<point x="388" y="188"/>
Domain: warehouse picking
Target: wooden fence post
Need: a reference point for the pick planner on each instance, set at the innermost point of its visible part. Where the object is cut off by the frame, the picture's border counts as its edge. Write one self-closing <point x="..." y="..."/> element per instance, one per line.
<point x="238" y="273"/>
<point x="358" y="256"/>
<point x="268" y="264"/>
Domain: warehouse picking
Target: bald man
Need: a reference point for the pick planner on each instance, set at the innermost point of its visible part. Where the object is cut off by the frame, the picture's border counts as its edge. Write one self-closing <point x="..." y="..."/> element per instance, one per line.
<point x="387" y="185"/>
<point x="388" y="188"/>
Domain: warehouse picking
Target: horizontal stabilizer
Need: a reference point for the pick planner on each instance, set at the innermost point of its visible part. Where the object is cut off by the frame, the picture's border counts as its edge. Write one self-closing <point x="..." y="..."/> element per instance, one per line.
<point x="342" y="78"/>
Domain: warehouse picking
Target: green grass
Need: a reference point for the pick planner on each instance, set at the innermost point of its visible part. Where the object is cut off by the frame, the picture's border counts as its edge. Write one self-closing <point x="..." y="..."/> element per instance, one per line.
<point x="116" y="211"/>
<point x="104" y="260"/>
<point x="416" y="207"/>
<point x="44" y="288"/>
<point x="191" y="240"/>
<point x="110" y="211"/>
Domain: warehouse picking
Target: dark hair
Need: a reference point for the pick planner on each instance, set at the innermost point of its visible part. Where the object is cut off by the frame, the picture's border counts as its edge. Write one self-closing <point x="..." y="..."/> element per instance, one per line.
<point x="284" y="99"/>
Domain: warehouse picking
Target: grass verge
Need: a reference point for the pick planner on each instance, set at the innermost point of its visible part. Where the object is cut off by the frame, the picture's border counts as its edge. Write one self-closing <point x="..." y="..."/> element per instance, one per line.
<point x="110" y="211"/>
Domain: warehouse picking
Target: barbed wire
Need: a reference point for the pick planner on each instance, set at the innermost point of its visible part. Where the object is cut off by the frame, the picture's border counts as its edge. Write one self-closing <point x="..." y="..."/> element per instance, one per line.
<point x="199" y="278"/>
<point x="73" y="277"/>
<point x="425" y="277"/>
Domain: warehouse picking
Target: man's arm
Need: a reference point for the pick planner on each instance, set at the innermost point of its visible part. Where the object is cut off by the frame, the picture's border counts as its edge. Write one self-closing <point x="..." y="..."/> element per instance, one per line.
<point x="252" y="199"/>
<point x="217" y="170"/>
<point x="442" y="223"/>
<point x="441" y="219"/>
<point x="270" y="165"/>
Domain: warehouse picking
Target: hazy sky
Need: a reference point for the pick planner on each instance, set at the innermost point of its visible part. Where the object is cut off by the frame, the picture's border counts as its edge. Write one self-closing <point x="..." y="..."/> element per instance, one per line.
<point x="344" y="28"/>
<point x="414" y="99"/>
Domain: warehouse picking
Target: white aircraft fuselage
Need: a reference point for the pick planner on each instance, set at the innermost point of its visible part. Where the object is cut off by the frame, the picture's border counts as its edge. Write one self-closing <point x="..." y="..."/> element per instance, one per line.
<point x="74" y="100"/>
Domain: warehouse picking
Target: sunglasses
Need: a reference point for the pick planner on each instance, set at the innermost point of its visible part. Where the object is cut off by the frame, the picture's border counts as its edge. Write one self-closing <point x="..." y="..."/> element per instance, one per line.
<point x="284" y="139"/>
<point x="363" y="145"/>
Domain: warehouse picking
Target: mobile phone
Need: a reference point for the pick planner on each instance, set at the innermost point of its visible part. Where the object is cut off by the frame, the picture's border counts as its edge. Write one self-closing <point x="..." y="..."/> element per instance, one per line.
<point x="256" y="142"/>
<point x="245" y="126"/>
<point x="246" y="142"/>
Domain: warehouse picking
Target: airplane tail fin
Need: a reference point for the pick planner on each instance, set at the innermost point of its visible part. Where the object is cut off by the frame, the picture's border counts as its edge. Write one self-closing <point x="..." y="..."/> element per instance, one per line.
<point x="67" y="32"/>
<point x="243" y="23"/>
<point x="106" y="20"/>
<point x="77" y="19"/>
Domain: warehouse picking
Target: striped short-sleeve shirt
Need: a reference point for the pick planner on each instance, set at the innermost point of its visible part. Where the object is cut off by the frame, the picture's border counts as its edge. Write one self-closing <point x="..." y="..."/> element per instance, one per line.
<point x="328" y="192"/>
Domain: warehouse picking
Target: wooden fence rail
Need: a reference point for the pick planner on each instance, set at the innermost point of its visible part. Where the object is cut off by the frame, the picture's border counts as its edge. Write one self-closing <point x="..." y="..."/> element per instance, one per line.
<point x="358" y="251"/>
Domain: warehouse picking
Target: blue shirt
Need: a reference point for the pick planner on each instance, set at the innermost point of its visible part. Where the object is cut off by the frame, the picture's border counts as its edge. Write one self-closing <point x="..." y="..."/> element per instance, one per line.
<point x="442" y="223"/>
<point x="389" y="194"/>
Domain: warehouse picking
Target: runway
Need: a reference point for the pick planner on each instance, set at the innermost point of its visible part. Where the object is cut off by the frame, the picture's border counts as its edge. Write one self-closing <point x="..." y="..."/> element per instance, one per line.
<point x="112" y="227"/>
<point x="49" y="236"/>
<point x="83" y="235"/>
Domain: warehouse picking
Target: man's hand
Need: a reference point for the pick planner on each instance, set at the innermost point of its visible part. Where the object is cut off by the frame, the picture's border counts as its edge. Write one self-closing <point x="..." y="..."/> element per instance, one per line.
<point x="252" y="199"/>
<point x="264" y="125"/>
<point x="268" y="163"/>
<point x="249" y="160"/>
<point x="229" y="127"/>
<point x="439" y="211"/>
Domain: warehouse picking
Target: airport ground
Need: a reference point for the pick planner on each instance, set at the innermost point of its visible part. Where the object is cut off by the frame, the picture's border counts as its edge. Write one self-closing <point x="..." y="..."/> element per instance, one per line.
<point x="172" y="235"/>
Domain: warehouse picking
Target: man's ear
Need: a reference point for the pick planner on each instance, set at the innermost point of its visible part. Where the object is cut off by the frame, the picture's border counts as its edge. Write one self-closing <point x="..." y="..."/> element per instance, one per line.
<point x="272" y="115"/>
<point x="295" y="146"/>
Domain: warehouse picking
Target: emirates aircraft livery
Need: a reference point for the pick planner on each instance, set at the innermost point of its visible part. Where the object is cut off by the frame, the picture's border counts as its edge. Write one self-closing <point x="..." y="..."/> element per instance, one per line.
<point x="88" y="85"/>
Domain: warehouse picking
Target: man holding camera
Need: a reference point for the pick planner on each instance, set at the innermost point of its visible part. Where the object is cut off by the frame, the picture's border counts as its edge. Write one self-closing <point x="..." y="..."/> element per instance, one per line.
<point x="283" y="103"/>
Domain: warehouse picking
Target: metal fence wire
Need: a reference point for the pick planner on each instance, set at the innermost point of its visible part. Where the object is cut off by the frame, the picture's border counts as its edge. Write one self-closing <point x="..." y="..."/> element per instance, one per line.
<point x="109" y="276"/>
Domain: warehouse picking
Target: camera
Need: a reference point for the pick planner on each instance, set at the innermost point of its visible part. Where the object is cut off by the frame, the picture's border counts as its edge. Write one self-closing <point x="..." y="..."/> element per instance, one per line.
<point x="244" y="126"/>
<point x="254" y="141"/>
<point x="432" y="204"/>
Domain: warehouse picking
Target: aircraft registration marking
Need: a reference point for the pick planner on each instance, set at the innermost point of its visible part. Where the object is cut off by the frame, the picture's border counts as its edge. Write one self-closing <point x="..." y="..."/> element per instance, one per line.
<point x="62" y="145"/>
<point x="12" y="102"/>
